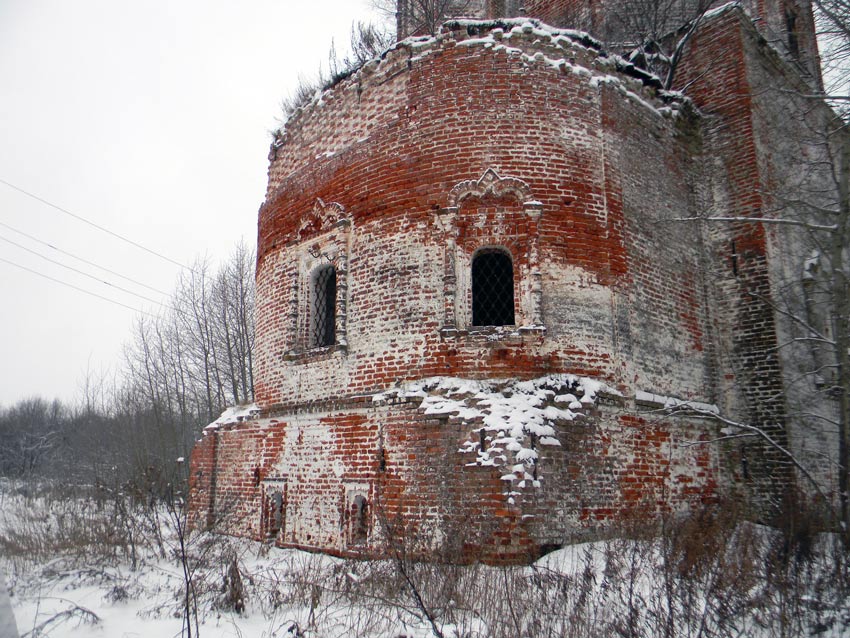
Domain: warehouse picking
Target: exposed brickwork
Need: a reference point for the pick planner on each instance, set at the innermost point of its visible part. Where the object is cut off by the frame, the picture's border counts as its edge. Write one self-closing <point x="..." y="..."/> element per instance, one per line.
<point x="565" y="135"/>
<point x="532" y="143"/>
<point x="422" y="488"/>
<point x="718" y="75"/>
<point x="747" y="89"/>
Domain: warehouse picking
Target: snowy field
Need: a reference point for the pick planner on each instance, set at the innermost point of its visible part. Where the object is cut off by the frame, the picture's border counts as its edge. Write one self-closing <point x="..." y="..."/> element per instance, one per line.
<point x="86" y="567"/>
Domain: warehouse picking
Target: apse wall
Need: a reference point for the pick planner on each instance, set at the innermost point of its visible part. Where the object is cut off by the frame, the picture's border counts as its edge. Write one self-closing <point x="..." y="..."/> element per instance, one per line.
<point x="514" y="137"/>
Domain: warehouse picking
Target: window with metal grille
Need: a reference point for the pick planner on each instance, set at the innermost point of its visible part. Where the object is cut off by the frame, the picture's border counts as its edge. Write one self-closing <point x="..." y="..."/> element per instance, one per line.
<point x="323" y="308"/>
<point x="492" y="288"/>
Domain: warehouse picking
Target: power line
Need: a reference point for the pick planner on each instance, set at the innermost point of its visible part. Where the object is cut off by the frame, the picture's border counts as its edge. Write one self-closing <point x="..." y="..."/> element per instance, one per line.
<point x="65" y="283"/>
<point x="90" y="223"/>
<point x="83" y="260"/>
<point x="78" y="271"/>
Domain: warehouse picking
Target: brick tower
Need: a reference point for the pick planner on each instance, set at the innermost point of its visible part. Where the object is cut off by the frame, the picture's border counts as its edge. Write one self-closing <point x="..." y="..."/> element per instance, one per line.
<point x="476" y="312"/>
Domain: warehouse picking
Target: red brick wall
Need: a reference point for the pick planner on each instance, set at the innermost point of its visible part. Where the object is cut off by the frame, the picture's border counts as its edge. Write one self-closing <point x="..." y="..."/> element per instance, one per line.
<point x="716" y="73"/>
<point x="765" y="138"/>
<point x="537" y="146"/>
<point x="397" y="177"/>
<point x="424" y="495"/>
<point x="390" y="147"/>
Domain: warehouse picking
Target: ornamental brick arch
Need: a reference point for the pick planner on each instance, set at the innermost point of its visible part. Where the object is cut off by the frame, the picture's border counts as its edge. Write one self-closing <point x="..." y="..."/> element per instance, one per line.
<point x="321" y="218"/>
<point x="491" y="184"/>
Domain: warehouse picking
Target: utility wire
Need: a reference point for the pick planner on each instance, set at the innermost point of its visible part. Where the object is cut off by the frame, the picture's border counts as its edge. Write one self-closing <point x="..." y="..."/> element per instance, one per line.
<point x="85" y="261"/>
<point x="78" y="271"/>
<point x="175" y="309"/>
<point x="65" y="283"/>
<point x="90" y="223"/>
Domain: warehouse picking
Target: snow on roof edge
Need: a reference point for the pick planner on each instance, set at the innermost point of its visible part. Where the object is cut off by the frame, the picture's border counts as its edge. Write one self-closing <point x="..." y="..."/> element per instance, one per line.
<point x="673" y="403"/>
<point x="515" y="26"/>
<point x="235" y="414"/>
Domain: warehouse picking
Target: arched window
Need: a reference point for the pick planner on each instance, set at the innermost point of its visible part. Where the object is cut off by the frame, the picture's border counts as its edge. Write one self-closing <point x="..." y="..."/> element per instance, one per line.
<point x="492" y="288"/>
<point x="323" y="307"/>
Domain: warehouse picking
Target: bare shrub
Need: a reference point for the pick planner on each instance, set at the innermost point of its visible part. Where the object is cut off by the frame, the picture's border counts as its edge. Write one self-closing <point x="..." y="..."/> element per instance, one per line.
<point x="71" y="613"/>
<point x="707" y="574"/>
<point x="233" y="590"/>
<point x="367" y="41"/>
<point x="87" y="530"/>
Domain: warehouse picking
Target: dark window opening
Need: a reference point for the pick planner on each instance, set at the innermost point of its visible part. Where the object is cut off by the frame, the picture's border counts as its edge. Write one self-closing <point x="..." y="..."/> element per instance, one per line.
<point x="791" y="28"/>
<point x="734" y="258"/>
<point x="360" y="519"/>
<point x="323" y="308"/>
<point x="274" y="513"/>
<point x="492" y="289"/>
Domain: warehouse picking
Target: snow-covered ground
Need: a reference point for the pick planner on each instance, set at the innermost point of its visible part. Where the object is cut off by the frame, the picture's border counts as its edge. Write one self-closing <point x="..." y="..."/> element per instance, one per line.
<point x="80" y="568"/>
<point x="289" y="593"/>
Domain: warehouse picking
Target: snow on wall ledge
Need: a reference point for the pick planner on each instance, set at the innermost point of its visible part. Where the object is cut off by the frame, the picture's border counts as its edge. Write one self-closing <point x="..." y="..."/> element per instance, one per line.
<point x="492" y="470"/>
<point x="508" y="419"/>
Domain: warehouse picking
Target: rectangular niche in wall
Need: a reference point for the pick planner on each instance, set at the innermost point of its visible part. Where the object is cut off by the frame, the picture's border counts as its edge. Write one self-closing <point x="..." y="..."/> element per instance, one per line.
<point x="273" y="514"/>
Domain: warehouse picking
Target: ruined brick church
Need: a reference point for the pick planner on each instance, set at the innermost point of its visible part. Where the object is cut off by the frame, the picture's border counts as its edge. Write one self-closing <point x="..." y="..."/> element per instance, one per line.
<point x="491" y="317"/>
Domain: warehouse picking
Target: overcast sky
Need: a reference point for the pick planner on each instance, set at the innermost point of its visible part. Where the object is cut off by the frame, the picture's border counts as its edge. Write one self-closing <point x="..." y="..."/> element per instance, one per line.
<point x="151" y="119"/>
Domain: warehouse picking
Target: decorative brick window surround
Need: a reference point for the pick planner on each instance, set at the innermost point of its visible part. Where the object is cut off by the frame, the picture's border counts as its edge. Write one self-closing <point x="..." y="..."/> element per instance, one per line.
<point x="492" y="216"/>
<point x="319" y="300"/>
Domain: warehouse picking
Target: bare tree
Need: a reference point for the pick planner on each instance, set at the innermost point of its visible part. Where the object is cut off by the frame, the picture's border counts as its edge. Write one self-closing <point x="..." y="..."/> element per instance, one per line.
<point x="835" y="284"/>
<point x="805" y="217"/>
<point x="186" y="365"/>
<point x="30" y="432"/>
<point x="653" y="34"/>
<point x="367" y="41"/>
<point x="832" y="22"/>
<point x="422" y="17"/>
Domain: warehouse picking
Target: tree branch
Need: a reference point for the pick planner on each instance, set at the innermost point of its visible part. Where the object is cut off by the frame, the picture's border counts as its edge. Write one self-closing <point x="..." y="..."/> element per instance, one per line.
<point x="759" y="220"/>
<point x="760" y="433"/>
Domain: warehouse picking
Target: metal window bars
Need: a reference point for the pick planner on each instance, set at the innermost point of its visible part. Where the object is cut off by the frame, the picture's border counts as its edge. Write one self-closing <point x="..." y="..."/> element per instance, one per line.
<point x="492" y="288"/>
<point x="323" y="311"/>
